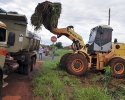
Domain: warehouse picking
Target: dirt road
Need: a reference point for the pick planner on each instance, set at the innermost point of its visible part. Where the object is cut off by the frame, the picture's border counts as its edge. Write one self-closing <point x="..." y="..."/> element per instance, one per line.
<point x="19" y="87"/>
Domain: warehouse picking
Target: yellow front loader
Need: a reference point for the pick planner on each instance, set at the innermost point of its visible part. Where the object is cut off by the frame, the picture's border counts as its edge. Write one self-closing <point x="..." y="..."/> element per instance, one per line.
<point x="98" y="53"/>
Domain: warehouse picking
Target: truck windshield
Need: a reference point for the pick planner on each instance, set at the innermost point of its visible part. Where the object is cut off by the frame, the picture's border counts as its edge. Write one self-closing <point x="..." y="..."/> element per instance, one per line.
<point x="92" y="36"/>
<point x="2" y="35"/>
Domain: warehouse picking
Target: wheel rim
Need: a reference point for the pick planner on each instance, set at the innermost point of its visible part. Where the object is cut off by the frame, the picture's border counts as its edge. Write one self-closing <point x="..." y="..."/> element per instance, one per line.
<point x="77" y="65"/>
<point x="119" y="68"/>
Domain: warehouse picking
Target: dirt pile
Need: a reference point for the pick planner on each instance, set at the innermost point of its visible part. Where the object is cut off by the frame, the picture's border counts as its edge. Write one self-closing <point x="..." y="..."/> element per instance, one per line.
<point x="47" y="14"/>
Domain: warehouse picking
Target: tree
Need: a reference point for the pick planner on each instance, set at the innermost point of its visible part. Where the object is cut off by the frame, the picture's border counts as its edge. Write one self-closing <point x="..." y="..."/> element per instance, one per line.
<point x="59" y="45"/>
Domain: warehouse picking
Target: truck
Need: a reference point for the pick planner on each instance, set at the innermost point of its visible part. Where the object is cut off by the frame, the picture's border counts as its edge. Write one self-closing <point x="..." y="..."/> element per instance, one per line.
<point x="18" y="46"/>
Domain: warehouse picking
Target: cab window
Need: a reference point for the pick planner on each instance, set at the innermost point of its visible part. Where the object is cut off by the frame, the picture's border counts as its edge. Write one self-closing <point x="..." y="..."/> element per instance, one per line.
<point x="2" y="35"/>
<point x="92" y="36"/>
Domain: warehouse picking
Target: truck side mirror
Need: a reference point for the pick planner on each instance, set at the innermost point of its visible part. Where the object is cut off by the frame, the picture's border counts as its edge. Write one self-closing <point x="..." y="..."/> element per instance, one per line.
<point x="11" y="39"/>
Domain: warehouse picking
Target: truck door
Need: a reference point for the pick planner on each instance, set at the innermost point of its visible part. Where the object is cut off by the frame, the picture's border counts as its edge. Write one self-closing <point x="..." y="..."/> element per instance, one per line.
<point x="106" y="40"/>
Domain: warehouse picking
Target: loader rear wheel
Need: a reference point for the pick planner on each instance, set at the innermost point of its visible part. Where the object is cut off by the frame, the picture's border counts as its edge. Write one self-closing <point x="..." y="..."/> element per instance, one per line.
<point x="118" y="67"/>
<point x="77" y="64"/>
<point x="27" y="68"/>
<point x="64" y="57"/>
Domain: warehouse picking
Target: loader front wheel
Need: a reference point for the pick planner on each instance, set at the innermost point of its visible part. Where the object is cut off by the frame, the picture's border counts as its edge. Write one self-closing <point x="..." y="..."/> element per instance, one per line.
<point x="64" y="57"/>
<point x="77" y="64"/>
<point x="118" y="67"/>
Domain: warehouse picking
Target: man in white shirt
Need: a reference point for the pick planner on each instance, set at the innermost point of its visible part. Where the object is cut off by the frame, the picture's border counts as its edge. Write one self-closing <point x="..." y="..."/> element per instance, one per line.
<point x="40" y="52"/>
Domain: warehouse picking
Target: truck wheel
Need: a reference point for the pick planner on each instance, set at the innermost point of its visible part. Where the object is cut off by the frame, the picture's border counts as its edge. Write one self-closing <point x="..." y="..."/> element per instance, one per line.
<point x="77" y="64"/>
<point x="33" y="62"/>
<point x="20" y="69"/>
<point x="27" y="68"/>
<point x="117" y="67"/>
<point x="63" y="58"/>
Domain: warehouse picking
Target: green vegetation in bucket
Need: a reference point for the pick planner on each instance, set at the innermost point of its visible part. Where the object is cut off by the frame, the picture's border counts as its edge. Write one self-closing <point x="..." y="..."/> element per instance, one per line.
<point x="47" y="14"/>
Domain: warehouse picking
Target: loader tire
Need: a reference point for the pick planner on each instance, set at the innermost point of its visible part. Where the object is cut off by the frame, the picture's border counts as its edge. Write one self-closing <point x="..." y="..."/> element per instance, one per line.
<point x="64" y="57"/>
<point x="33" y="62"/>
<point x="77" y="64"/>
<point x="27" y="68"/>
<point x="117" y="67"/>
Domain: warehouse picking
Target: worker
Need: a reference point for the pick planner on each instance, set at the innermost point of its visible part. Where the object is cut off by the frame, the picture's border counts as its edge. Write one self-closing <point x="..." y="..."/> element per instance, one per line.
<point x="53" y="53"/>
<point x="40" y="52"/>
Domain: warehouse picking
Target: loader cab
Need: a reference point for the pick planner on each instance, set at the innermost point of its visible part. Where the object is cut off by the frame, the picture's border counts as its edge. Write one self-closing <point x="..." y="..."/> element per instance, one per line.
<point x="100" y="39"/>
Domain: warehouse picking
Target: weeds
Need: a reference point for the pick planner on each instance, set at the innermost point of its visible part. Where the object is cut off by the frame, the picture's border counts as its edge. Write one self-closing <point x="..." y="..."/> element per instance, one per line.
<point x="55" y="84"/>
<point x="52" y="83"/>
<point x="111" y="87"/>
<point x="60" y="52"/>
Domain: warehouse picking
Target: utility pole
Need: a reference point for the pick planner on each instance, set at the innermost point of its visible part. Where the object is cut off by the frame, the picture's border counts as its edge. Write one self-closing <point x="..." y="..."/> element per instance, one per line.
<point x="109" y="17"/>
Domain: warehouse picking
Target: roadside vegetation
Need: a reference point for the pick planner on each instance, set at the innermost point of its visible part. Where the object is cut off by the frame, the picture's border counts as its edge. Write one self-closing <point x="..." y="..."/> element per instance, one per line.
<point x="60" y="52"/>
<point x="53" y="83"/>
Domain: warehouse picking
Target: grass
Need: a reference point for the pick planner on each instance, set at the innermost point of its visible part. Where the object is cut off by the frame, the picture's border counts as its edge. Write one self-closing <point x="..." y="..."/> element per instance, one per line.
<point x="52" y="83"/>
<point x="55" y="84"/>
<point x="60" y="52"/>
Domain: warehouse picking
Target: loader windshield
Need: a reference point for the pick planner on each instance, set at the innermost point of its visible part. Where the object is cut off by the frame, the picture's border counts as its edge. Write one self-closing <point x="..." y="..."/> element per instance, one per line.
<point x="92" y="36"/>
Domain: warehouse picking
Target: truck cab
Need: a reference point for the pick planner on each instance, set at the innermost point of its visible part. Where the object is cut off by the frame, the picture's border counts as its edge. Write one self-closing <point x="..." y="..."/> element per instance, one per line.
<point x="2" y="44"/>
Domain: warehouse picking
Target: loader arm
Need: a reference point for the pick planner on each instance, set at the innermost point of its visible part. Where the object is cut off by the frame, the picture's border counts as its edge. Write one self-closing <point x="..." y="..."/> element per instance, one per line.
<point x="71" y="34"/>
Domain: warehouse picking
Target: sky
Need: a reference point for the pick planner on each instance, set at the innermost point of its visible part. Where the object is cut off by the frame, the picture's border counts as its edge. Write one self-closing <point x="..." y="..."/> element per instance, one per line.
<point x="82" y="14"/>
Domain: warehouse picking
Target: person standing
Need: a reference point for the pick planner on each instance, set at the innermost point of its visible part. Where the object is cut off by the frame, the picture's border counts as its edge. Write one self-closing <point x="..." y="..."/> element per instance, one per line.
<point x="40" y="52"/>
<point x="53" y="53"/>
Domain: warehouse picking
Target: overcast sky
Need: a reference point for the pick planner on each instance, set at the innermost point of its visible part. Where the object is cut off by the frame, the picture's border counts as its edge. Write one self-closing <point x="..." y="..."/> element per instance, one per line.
<point x="82" y="14"/>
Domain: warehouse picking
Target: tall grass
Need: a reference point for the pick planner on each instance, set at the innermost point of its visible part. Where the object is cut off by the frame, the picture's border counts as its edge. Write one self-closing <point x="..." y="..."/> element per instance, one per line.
<point x="53" y="83"/>
<point x="60" y="52"/>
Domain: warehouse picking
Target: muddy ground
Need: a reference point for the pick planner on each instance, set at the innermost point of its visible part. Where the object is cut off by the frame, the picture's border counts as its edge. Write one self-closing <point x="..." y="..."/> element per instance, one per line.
<point x="19" y="87"/>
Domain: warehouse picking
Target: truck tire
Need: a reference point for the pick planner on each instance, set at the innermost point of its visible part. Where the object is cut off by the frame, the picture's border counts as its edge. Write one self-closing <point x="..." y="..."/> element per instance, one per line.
<point x="64" y="57"/>
<point x="20" y="69"/>
<point x="33" y="62"/>
<point x="117" y="67"/>
<point x="27" y="68"/>
<point x="77" y="64"/>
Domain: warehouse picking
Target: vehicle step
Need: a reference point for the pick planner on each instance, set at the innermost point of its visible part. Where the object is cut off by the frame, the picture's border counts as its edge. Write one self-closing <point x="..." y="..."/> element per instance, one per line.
<point x="5" y="76"/>
<point x="5" y="84"/>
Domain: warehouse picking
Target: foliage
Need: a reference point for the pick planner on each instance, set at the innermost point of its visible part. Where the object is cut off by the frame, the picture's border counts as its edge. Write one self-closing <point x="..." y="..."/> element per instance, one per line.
<point x="60" y="52"/>
<point x="117" y="92"/>
<point x="59" y="45"/>
<point x="107" y="78"/>
<point x="51" y="83"/>
<point x="52" y="46"/>
<point x="47" y="14"/>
